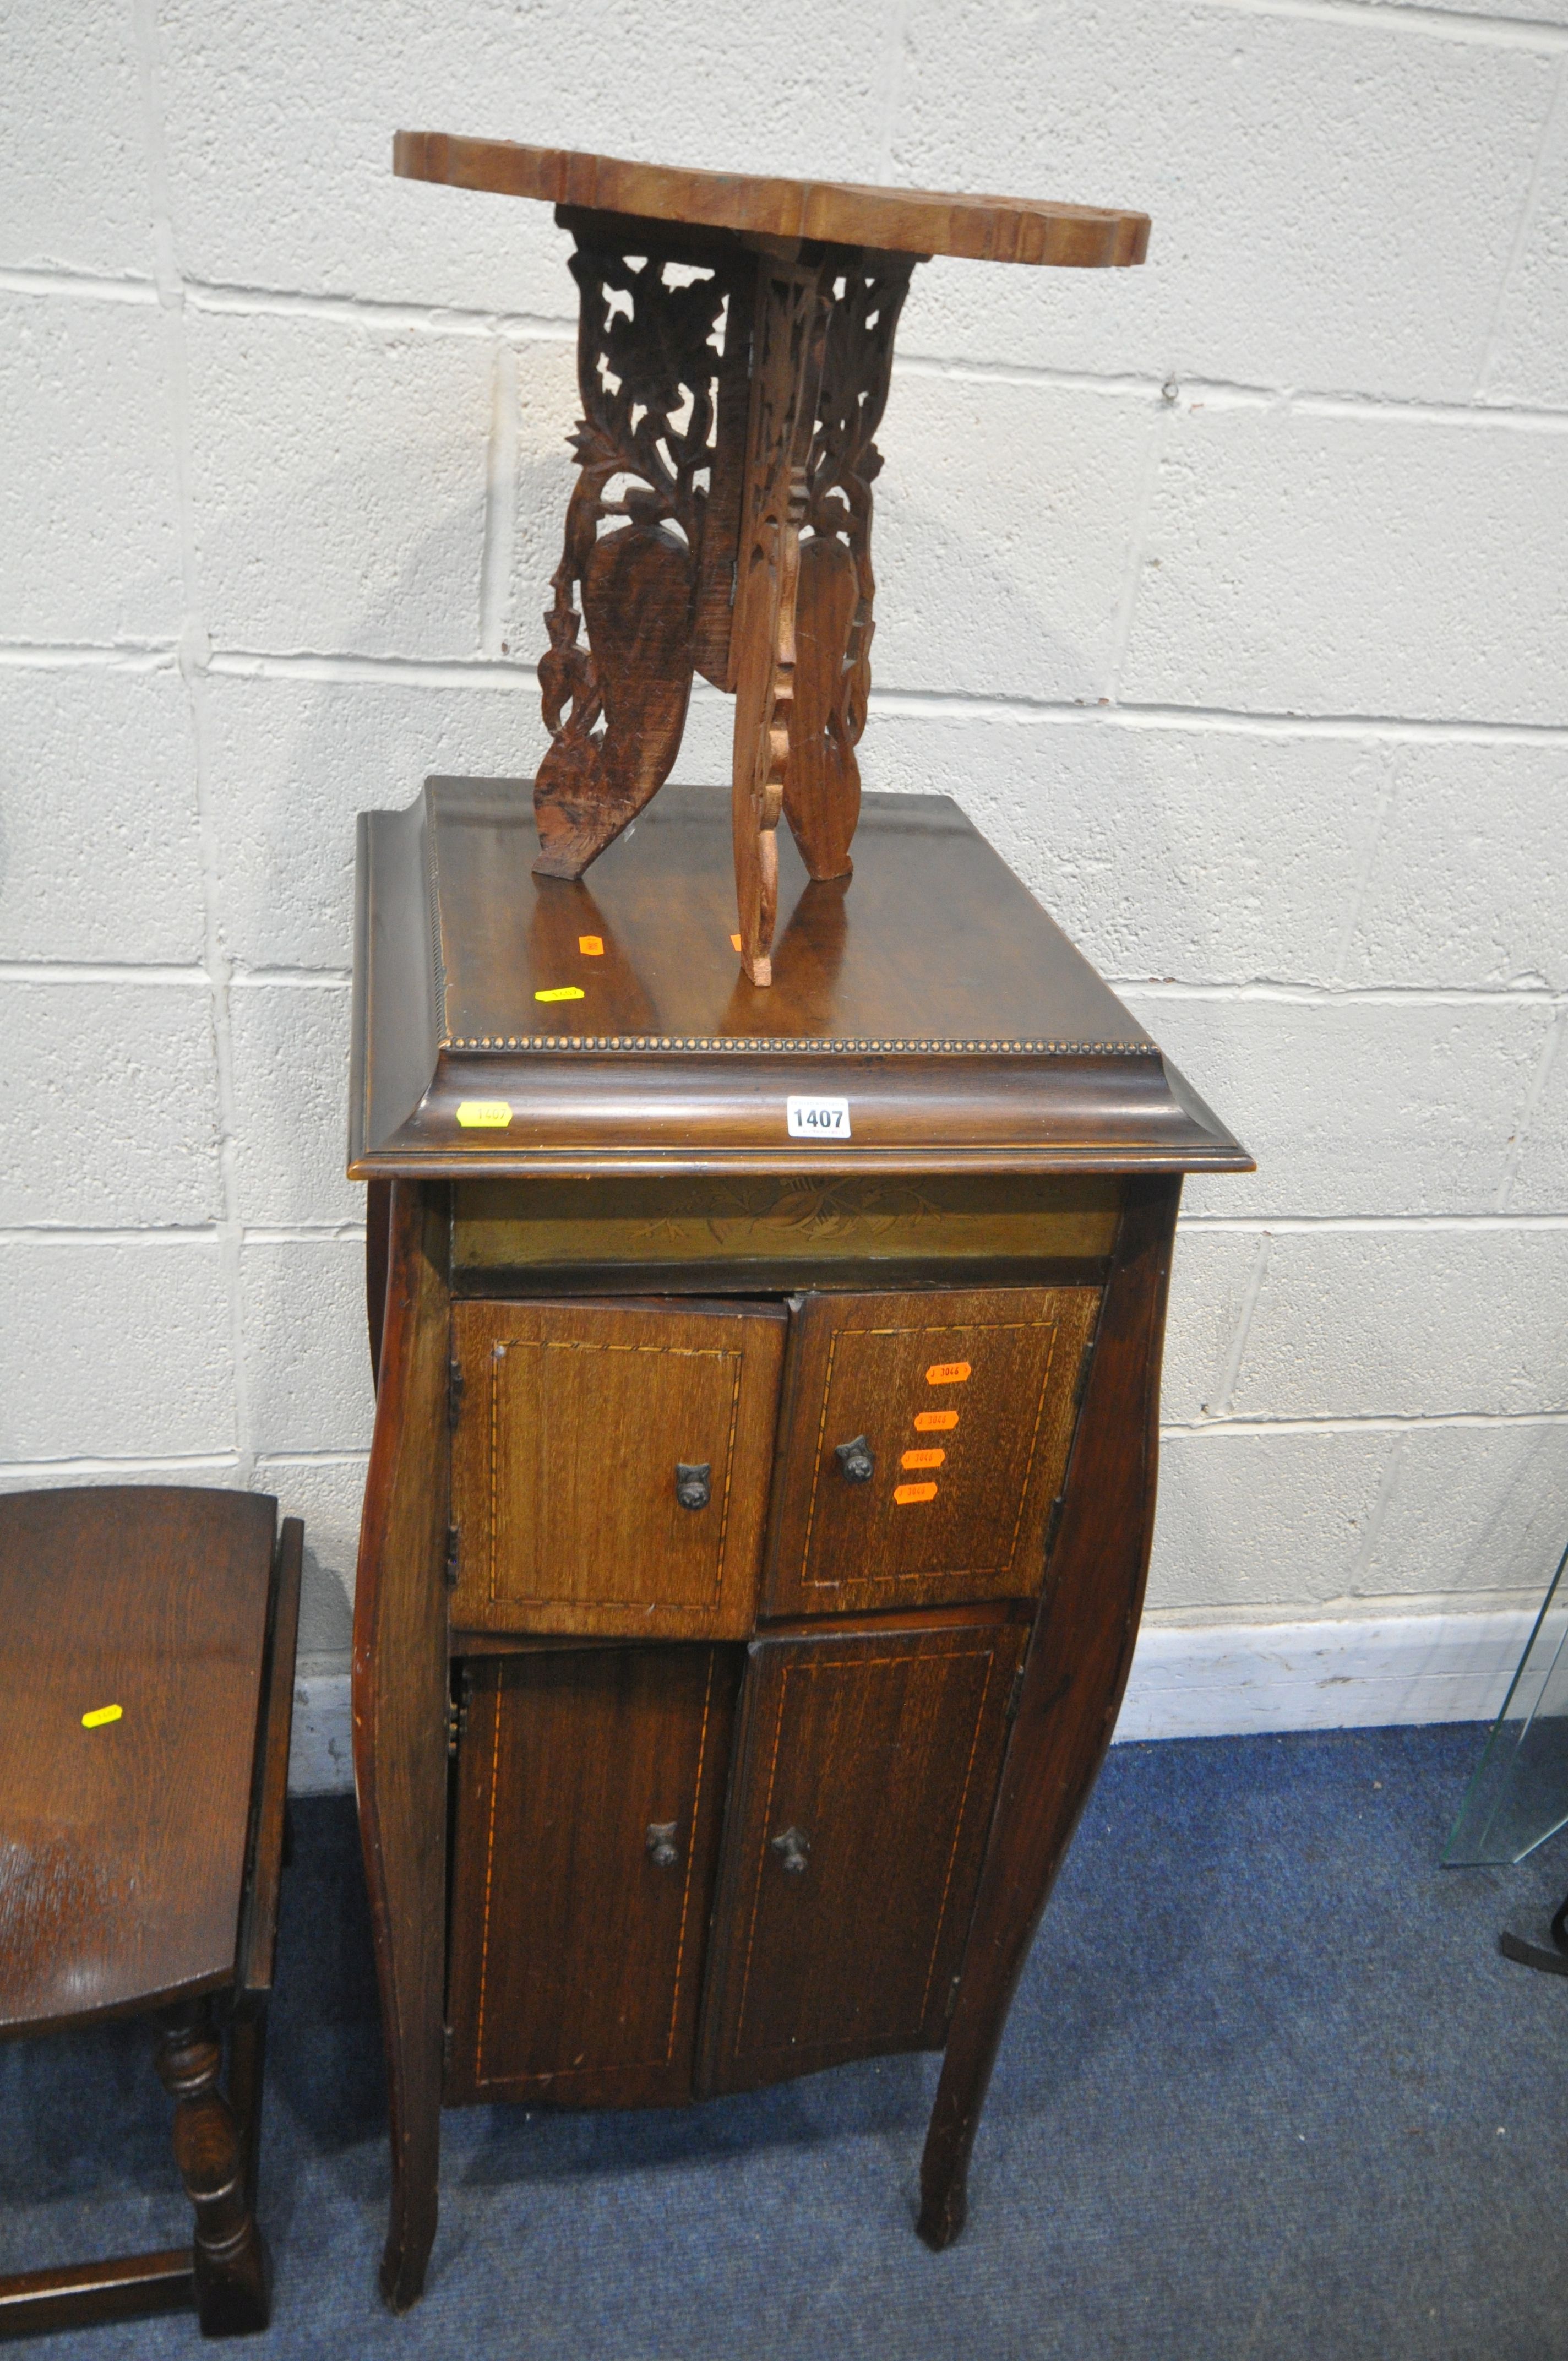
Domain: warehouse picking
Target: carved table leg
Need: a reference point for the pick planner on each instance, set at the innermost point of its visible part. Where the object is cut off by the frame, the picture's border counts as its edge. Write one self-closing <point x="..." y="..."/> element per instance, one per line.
<point x="861" y="302"/>
<point x="399" y="1717"/>
<point x="647" y="366"/>
<point x="1075" y="1672"/>
<point x="228" y="2261"/>
<point x="786" y="354"/>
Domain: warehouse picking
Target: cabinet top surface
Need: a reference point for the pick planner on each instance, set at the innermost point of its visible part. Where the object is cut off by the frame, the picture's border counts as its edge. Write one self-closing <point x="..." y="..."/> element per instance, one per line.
<point x="933" y="940"/>
<point x="608" y="1023"/>
<point x="905" y="221"/>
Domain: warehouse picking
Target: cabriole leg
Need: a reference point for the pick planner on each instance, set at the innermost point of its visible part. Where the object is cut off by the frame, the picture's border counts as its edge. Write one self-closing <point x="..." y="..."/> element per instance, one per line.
<point x="1073" y="1680"/>
<point x="399" y="1717"/>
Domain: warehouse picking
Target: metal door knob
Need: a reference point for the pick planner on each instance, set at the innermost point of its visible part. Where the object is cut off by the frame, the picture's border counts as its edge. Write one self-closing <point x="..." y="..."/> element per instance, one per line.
<point x="662" y="1850"/>
<point x="693" y="1488"/>
<point x="857" y="1460"/>
<point x="792" y="1845"/>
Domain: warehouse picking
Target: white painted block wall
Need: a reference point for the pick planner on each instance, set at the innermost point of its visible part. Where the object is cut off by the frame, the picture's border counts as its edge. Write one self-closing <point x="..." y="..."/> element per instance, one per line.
<point x="1229" y="596"/>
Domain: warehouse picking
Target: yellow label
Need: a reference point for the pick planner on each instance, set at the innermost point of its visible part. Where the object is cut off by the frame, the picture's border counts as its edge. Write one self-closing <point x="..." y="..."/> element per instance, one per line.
<point x="591" y="947"/>
<point x="906" y="1494"/>
<point x="735" y="941"/>
<point x="922" y="1459"/>
<point x="100" y="1714"/>
<point x="562" y="991"/>
<point x="946" y="1373"/>
<point x="935" y="1421"/>
<point x="484" y="1115"/>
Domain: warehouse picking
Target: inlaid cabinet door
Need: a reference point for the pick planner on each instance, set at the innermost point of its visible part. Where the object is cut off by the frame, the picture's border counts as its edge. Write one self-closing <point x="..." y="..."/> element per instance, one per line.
<point x="866" y="1770"/>
<point x="925" y="1440"/>
<point x="610" y="1466"/>
<point x="590" y="1784"/>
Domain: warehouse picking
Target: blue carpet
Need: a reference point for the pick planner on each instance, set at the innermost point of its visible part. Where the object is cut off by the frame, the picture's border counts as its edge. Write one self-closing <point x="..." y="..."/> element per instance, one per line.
<point x="1267" y="2090"/>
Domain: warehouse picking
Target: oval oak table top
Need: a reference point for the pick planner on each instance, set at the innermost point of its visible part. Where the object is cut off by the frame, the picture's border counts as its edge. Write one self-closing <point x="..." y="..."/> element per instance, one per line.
<point x="133" y="1629"/>
<point x="839" y="213"/>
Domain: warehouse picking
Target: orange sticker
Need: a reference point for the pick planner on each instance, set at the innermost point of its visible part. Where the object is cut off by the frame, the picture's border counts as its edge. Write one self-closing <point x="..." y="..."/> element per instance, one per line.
<point x="935" y="1421"/>
<point x="591" y="946"/>
<point x="946" y="1373"/>
<point x="922" y="1459"/>
<point x="906" y="1494"/>
<point x="735" y="941"/>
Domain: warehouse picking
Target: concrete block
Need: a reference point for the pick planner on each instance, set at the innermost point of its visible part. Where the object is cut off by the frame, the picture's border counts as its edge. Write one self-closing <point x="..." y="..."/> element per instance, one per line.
<point x="1211" y="1280"/>
<point x="92" y="547"/>
<point x="1471" y="1514"/>
<point x="290" y="763"/>
<point x="1537" y="12"/>
<point x="1407" y="1324"/>
<point x="114" y="1349"/>
<point x="73" y="186"/>
<point x="1259" y="1522"/>
<point x="338" y="474"/>
<point x="1527" y="363"/>
<point x="112" y="1105"/>
<point x="324" y="1493"/>
<point x="307" y="1361"/>
<point x="1333" y="202"/>
<point x="1302" y="563"/>
<point x="98" y="817"/>
<point x="280" y="121"/>
<point x="320" y="1750"/>
<point x="290" y="1085"/>
<point x="548" y="408"/>
<point x="1003" y="525"/>
<point x="327" y="1494"/>
<point x="1355" y="1106"/>
<point x="1466" y="887"/>
<point x="1539" y="1181"/>
<point x="1204" y="855"/>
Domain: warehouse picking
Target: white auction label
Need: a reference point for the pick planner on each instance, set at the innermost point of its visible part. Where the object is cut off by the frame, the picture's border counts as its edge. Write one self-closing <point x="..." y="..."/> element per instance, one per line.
<point x="819" y="1118"/>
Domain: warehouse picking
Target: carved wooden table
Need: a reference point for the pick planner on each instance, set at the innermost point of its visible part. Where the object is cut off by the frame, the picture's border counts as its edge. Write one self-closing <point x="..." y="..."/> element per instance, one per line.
<point x="764" y="1455"/>
<point x="146" y="1685"/>
<point x="735" y="342"/>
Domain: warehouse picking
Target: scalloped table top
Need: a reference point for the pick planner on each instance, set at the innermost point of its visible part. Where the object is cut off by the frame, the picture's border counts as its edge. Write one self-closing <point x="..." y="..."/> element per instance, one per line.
<point x="903" y="221"/>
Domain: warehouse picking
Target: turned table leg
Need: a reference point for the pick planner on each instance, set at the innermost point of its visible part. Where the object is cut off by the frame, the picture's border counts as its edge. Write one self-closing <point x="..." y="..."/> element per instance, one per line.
<point x="1073" y="1681"/>
<point x="229" y="2260"/>
<point x="399" y="1717"/>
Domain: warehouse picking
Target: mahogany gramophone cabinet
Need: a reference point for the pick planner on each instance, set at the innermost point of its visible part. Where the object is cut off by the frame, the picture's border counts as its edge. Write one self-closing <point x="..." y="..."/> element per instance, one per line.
<point x="767" y="1265"/>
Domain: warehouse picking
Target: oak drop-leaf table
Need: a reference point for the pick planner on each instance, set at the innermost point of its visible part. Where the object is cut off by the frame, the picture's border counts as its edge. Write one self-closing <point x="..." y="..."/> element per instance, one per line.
<point x="147" y="1670"/>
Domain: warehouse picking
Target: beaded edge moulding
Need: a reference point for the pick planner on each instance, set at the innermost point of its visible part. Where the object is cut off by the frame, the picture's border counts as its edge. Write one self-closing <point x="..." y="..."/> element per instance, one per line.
<point x="806" y="1044"/>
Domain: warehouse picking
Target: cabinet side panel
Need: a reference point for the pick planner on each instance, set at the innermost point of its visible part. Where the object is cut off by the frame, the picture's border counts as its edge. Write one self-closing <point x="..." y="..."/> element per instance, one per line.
<point x="400" y="1712"/>
<point x="1073" y="1681"/>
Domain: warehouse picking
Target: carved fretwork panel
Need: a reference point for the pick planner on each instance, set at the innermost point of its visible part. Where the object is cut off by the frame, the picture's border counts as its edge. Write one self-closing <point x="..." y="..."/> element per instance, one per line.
<point x="785" y="355"/>
<point x="856" y="325"/>
<point x="649" y="360"/>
